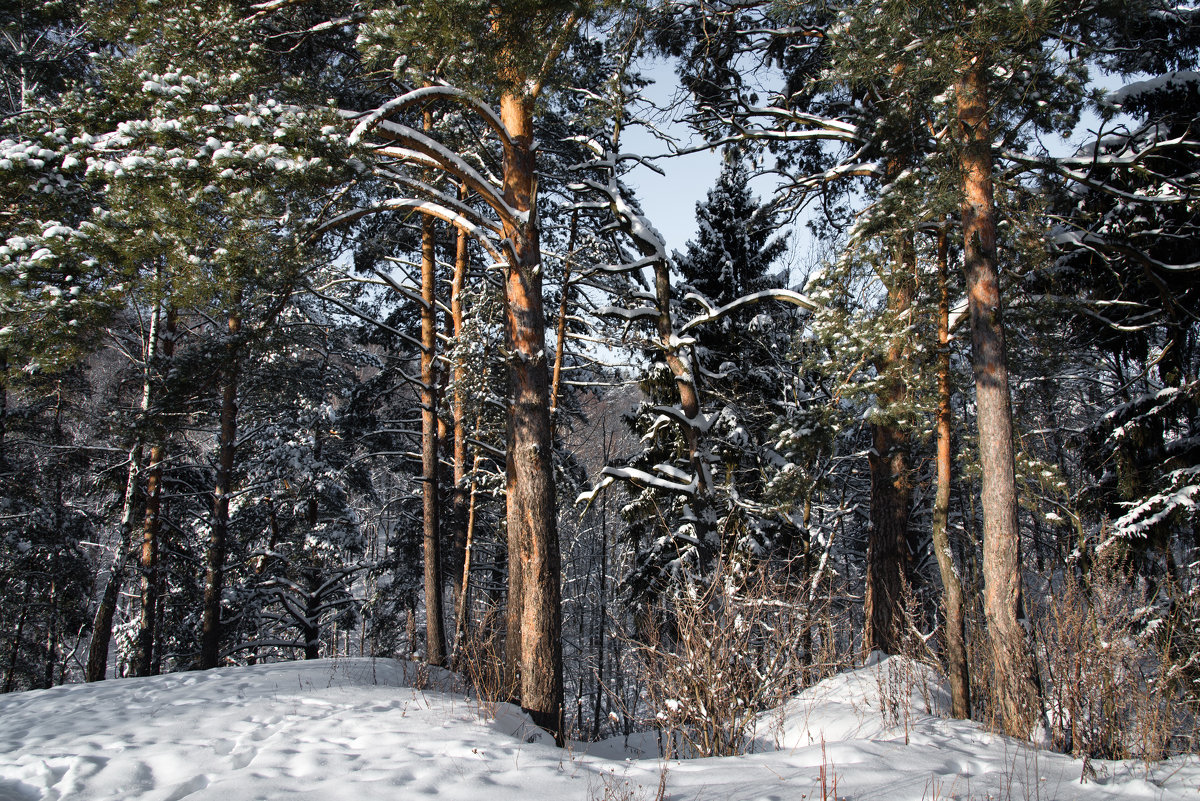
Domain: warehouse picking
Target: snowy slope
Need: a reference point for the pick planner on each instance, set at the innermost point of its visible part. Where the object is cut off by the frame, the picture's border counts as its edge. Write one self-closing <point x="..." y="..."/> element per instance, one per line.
<point x="361" y="729"/>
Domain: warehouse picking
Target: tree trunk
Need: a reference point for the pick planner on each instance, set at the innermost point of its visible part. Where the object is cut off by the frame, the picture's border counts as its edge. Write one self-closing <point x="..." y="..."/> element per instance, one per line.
<point x="535" y="599"/>
<point x="952" y="592"/>
<point x="310" y="630"/>
<point x="143" y="656"/>
<point x="1015" y="686"/>
<point x="891" y="486"/>
<point x="887" y="545"/>
<point x="459" y="492"/>
<point x="435" y="649"/>
<point x="143" y="661"/>
<point x="51" y="640"/>
<point x="214" y="578"/>
<point x="560" y="341"/>
<point x="102" y="622"/>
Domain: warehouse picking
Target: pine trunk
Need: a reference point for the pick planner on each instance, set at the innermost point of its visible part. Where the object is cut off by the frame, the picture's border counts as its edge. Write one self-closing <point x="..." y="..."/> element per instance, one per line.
<point x="678" y="358"/>
<point x="143" y="661"/>
<point x="891" y="489"/>
<point x="887" y="545"/>
<point x="102" y="621"/>
<point x="1015" y="687"/>
<point x="952" y="592"/>
<point x="459" y="491"/>
<point x="143" y="657"/>
<point x="435" y="649"/>
<point x="535" y="617"/>
<point x="214" y="578"/>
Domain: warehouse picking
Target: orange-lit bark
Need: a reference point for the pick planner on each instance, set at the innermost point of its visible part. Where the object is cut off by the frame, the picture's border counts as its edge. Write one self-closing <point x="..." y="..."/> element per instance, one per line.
<point x="1015" y="686"/>
<point x="459" y="492"/>
<point x="952" y="592"/>
<point x="535" y="608"/>
<point x="143" y="659"/>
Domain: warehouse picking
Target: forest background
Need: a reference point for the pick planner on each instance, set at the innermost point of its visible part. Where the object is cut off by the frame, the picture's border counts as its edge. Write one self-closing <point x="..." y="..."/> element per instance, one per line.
<point x="334" y="327"/>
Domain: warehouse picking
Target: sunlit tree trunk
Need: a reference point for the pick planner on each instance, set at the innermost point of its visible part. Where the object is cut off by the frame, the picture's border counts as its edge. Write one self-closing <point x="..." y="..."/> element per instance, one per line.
<point x="952" y="591"/>
<point x="435" y="649"/>
<point x="1015" y="686"/>
<point x="535" y="608"/>
<point x="102" y="621"/>
<point x="458" y="458"/>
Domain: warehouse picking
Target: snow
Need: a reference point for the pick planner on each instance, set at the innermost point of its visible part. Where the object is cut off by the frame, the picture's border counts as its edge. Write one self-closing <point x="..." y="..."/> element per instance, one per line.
<point x="1171" y="81"/>
<point x="364" y="729"/>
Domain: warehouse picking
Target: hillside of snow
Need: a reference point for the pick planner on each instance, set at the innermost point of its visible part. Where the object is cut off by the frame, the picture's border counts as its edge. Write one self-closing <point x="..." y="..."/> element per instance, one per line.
<point x="363" y="729"/>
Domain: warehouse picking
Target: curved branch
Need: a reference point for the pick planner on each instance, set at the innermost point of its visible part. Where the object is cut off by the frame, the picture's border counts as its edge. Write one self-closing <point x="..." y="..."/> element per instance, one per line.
<point x="711" y="313"/>
<point x="450" y="216"/>
<point x="370" y="119"/>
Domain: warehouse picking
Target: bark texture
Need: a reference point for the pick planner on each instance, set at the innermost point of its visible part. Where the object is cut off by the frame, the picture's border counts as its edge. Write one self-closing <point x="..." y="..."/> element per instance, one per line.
<point x="535" y="608"/>
<point x="102" y="621"/>
<point x="143" y="661"/>
<point x="1015" y="688"/>
<point x="458" y="458"/>
<point x="435" y="647"/>
<point x="891" y="487"/>
<point x="952" y="592"/>
<point x="887" y="544"/>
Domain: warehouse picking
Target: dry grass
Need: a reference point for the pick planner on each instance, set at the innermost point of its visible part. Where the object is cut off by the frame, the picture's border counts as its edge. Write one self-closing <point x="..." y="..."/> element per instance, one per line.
<point x="719" y="656"/>
<point x="1113" y="682"/>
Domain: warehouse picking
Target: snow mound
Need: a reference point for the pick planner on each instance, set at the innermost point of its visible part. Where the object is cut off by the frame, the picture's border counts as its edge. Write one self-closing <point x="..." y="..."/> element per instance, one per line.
<point x="878" y="701"/>
<point x="364" y="729"/>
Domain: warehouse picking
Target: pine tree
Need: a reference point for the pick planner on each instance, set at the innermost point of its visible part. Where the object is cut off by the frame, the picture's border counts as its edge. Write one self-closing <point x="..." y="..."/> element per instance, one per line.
<point x="517" y="45"/>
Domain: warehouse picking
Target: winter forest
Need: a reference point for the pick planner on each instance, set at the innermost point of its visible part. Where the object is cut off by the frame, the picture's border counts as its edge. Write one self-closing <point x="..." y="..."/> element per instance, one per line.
<point x="337" y="328"/>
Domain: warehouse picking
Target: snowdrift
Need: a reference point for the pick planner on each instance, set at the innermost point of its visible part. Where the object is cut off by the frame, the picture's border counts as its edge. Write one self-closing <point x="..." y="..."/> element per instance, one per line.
<point x="364" y="729"/>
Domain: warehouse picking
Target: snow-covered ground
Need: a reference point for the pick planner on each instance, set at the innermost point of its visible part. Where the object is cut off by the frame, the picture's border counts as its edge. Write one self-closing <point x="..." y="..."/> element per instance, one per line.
<point x="361" y="729"/>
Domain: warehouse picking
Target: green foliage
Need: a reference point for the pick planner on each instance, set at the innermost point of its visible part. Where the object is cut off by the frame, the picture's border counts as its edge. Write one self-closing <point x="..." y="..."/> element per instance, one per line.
<point x="470" y="43"/>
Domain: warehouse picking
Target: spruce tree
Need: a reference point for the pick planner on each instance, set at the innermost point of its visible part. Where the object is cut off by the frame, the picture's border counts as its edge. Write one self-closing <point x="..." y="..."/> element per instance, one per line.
<point x="738" y="243"/>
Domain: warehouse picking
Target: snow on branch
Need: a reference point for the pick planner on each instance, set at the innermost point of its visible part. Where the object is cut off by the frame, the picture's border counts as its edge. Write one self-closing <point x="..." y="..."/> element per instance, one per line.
<point x="711" y="313"/>
<point x="445" y="159"/>
<point x="446" y="200"/>
<point x="1180" y="496"/>
<point x="368" y="120"/>
<point x="643" y="478"/>
<point x="701" y="422"/>
<point x="423" y="207"/>
<point x="640" y="313"/>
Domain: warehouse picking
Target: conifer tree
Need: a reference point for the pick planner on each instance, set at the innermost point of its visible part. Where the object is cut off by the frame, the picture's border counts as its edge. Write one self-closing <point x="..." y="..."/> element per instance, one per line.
<point x="516" y="46"/>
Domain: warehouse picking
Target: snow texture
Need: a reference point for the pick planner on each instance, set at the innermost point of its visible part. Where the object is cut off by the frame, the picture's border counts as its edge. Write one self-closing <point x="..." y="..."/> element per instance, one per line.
<point x="363" y="729"/>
